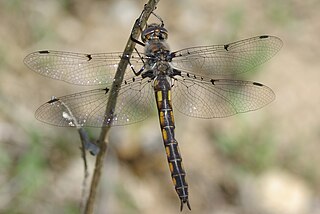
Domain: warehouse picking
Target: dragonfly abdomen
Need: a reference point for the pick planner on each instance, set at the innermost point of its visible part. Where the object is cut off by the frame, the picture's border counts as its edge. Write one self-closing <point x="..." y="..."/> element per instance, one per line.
<point x="164" y="104"/>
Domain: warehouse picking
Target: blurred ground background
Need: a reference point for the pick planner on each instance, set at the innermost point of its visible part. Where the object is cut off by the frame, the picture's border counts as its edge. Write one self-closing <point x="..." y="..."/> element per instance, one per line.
<point x="262" y="162"/>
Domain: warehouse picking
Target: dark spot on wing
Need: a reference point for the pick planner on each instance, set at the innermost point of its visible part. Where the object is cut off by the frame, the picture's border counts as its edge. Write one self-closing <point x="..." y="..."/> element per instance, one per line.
<point x="89" y="57"/>
<point x="257" y="84"/>
<point x="263" y="37"/>
<point x="106" y="89"/>
<point x="43" y="52"/>
<point x="176" y="72"/>
<point x="226" y="47"/>
<point x="53" y="100"/>
<point x="213" y="81"/>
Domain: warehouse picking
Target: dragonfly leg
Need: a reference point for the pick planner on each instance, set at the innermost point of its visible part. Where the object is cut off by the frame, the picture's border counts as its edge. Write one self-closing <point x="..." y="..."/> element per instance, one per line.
<point x="139" y="55"/>
<point x="137" y="41"/>
<point x="132" y="67"/>
<point x="158" y="17"/>
<point x="138" y="22"/>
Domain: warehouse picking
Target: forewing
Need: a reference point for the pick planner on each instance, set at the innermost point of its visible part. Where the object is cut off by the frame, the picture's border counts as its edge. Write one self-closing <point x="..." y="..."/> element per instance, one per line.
<point x="134" y="104"/>
<point x="78" y="68"/>
<point x="218" y="98"/>
<point x="229" y="59"/>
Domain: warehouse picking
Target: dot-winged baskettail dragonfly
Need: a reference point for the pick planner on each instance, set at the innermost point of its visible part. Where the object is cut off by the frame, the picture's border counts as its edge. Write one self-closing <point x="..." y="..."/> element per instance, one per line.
<point x="192" y="80"/>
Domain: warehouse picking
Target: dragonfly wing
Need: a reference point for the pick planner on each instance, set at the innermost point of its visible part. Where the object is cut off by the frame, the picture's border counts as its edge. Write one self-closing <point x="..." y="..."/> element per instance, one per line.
<point x="88" y="108"/>
<point x="229" y="59"/>
<point x="78" y="68"/>
<point x="218" y="98"/>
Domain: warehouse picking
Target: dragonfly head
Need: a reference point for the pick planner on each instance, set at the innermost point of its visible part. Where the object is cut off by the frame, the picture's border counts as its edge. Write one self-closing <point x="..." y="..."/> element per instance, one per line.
<point x="154" y="31"/>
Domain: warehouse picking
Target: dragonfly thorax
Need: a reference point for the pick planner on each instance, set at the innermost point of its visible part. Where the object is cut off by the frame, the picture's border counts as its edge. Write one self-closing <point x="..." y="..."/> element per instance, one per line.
<point x="163" y="67"/>
<point x="158" y="57"/>
<point x="159" y="50"/>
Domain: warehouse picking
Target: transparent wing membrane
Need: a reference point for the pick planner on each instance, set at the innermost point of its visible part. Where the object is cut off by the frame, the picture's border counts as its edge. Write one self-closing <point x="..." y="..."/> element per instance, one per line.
<point x="135" y="103"/>
<point x="229" y="59"/>
<point x="205" y="98"/>
<point x="77" y="68"/>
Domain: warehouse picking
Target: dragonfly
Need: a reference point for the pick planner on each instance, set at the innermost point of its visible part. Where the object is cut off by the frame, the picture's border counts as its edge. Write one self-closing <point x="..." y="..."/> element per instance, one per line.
<point x="197" y="81"/>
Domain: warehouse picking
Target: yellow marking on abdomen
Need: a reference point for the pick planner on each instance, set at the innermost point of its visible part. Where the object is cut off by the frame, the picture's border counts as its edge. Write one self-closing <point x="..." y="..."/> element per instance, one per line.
<point x="161" y="117"/>
<point x="174" y="181"/>
<point x="164" y="135"/>
<point x="172" y="117"/>
<point x="169" y="95"/>
<point x="171" y="167"/>
<point x="168" y="151"/>
<point x="159" y="95"/>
